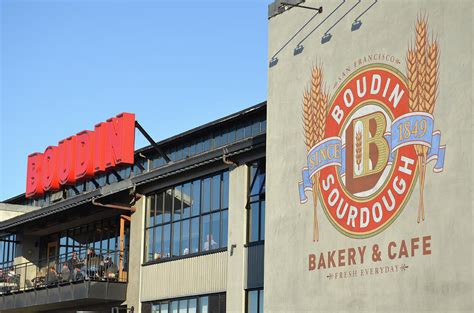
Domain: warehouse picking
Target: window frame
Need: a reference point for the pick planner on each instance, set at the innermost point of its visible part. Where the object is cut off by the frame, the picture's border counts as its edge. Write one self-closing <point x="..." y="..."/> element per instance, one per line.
<point x="149" y="229"/>
<point x="259" y="299"/>
<point x="222" y="299"/>
<point x="8" y="246"/>
<point x="260" y="198"/>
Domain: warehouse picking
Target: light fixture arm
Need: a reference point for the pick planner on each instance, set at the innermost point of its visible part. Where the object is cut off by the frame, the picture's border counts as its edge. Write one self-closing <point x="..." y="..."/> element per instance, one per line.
<point x="320" y="9"/>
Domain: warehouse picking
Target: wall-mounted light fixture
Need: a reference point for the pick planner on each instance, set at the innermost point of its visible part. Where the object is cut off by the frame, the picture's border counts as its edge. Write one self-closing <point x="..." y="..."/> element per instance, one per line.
<point x="273" y="62"/>
<point x="327" y="36"/>
<point x="283" y="6"/>
<point x="299" y="47"/>
<point x="357" y="22"/>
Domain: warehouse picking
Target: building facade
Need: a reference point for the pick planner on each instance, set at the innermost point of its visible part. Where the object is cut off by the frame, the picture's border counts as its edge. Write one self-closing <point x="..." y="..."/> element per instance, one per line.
<point x="155" y="236"/>
<point x="362" y="152"/>
<point x="372" y="207"/>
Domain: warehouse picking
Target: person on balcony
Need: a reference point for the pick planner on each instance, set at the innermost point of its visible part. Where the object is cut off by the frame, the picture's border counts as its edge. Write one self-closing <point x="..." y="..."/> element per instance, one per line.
<point x="110" y="269"/>
<point x="65" y="273"/>
<point x="52" y="276"/>
<point x="75" y="264"/>
<point x="93" y="263"/>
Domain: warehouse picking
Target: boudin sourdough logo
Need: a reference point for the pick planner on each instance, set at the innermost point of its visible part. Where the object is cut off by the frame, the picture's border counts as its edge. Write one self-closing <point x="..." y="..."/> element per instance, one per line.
<point x="369" y="145"/>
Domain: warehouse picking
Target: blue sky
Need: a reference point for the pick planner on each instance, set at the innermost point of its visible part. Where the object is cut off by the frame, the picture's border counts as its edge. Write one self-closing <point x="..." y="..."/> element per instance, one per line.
<point x="67" y="65"/>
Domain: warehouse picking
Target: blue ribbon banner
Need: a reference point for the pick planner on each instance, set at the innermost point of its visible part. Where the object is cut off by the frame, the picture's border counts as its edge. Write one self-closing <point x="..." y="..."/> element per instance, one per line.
<point x="409" y="129"/>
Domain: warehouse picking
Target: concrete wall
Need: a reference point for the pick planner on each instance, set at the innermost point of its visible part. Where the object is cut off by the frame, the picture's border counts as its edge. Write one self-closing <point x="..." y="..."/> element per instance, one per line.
<point x="8" y="211"/>
<point x="440" y="281"/>
<point x="236" y="265"/>
<point x="190" y="276"/>
<point x="137" y="234"/>
<point x="27" y="251"/>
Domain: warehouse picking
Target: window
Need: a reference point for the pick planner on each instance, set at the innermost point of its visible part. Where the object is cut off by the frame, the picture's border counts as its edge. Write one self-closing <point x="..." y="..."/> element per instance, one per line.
<point x="256" y="202"/>
<point x="254" y="301"/>
<point x="202" y="304"/>
<point x="102" y="235"/>
<point x="188" y="218"/>
<point x="139" y="166"/>
<point x="7" y="251"/>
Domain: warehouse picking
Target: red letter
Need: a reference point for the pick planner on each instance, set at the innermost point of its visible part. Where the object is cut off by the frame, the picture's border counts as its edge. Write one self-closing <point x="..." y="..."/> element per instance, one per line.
<point x="426" y="245"/>
<point x="403" y="250"/>
<point x="34" y="186"/>
<point x="414" y="245"/>
<point x="99" y="147"/>
<point x="341" y="257"/>
<point x="390" y="254"/>
<point x="85" y="154"/>
<point x="50" y="168"/>
<point x="351" y="257"/>
<point x="312" y="262"/>
<point x="120" y="140"/>
<point x="67" y="160"/>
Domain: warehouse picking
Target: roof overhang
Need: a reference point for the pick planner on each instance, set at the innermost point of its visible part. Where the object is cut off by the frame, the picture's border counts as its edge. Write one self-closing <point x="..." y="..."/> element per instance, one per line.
<point x="210" y="158"/>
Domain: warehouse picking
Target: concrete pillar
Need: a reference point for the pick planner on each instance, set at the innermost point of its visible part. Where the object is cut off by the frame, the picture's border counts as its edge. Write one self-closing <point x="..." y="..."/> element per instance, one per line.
<point x="26" y="257"/>
<point x="136" y="255"/>
<point x="236" y="264"/>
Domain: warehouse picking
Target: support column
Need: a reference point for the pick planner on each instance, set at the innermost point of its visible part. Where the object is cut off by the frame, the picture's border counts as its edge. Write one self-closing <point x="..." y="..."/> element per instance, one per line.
<point x="236" y="265"/>
<point x="136" y="255"/>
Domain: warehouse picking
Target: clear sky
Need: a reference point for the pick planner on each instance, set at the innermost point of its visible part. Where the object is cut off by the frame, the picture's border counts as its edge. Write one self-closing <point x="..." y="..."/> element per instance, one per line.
<point x="67" y="65"/>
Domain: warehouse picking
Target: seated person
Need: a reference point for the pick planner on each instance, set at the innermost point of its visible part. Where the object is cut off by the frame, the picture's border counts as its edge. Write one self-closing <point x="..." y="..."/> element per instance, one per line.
<point x="65" y="273"/>
<point x="93" y="263"/>
<point x="75" y="264"/>
<point x="52" y="276"/>
<point x="110" y="269"/>
<point x="11" y="273"/>
<point x="209" y="243"/>
<point x="13" y="278"/>
<point x="39" y="280"/>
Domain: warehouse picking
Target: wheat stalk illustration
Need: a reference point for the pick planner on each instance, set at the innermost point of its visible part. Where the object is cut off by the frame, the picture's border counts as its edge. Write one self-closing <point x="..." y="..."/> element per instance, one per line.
<point x="358" y="139"/>
<point x="430" y="94"/>
<point x="315" y="102"/>
<point x="422" y="72"/>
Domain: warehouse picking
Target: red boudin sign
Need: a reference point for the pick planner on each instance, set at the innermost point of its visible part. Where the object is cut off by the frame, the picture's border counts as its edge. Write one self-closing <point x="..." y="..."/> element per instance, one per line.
<point x="82" y="156"/>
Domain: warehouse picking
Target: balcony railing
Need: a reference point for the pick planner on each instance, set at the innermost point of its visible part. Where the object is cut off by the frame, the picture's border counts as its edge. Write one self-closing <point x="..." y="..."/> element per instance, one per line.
<point x="106" y="266"/>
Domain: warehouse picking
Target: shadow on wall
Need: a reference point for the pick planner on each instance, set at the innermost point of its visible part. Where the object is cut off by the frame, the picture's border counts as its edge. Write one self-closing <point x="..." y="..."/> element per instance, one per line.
<point x="357" y="24"/>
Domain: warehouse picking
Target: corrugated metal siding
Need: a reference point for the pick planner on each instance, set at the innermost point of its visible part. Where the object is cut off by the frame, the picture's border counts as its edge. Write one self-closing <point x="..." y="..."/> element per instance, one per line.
<point x="190" y="276"/>
<point x="255" y="266"/>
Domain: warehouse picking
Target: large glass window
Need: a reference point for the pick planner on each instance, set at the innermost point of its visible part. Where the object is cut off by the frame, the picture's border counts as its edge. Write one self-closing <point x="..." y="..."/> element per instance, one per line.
<point x="102" y="235"/>
<point x="188" y="218"/>
<point x="201" y="304"/>
<point x="256" y="202"/>
<point x="7" y="251"/>
<point x="254" y="301"/>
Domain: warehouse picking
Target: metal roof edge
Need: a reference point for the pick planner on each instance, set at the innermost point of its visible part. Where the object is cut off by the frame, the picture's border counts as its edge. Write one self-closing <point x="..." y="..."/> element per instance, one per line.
<point x="215" y="123"/>
<point x="174" y="168"/>
<point x="56" y="207"/>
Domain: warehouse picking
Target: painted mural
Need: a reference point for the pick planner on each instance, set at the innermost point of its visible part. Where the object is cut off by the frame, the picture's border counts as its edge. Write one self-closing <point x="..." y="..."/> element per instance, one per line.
<point x="370" y="143"/>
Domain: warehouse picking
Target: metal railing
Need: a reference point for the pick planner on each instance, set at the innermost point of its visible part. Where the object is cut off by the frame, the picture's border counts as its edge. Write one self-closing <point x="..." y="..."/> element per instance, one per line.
<point x="105" y="265"/>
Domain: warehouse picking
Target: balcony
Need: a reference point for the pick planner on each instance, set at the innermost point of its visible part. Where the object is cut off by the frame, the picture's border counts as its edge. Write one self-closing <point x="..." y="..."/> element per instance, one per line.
<point x="62" y="282"/>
